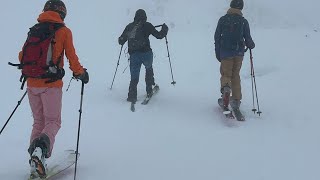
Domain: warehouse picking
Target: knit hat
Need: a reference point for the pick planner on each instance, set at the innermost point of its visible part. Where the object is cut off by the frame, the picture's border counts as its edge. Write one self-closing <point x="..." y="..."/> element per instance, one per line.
<point x="237" y="4"/>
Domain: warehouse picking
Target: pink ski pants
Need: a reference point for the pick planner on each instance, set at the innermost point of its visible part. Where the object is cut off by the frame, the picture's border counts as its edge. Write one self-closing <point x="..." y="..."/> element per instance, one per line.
<point x="46" y="106"/>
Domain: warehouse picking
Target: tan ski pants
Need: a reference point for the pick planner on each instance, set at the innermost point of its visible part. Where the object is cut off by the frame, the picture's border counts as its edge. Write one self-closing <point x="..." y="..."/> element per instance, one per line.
<point x="230" y="75"/>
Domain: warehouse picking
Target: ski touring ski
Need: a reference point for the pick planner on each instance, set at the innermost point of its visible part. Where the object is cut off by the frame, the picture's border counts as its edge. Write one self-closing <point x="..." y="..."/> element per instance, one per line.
<point x="59" y="164"/>
<point x="146" y="100"/>
<point x="155" y="89"/>
<point x="226" y="111"/>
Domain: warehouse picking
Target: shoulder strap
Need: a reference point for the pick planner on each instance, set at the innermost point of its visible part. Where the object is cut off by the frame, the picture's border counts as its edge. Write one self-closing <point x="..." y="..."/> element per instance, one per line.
<point x="55" y="28"/>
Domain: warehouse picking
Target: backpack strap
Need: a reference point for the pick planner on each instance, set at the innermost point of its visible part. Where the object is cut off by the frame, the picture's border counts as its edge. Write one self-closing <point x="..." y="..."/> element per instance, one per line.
<point x="59" y="74"/>
<point x="56" y="27"/>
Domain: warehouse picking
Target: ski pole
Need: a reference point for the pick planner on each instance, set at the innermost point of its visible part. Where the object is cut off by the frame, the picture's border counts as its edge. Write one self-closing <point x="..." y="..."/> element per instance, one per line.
<point x="78" y="136"/>
<point x="19" y="102"/>
<point x="255" y="84"/>
<point x="252" y="85"/>
<point x="126" y="66"/>
<point x="114" y="76"/>
<point x="173" y="82"/>
<point x="126" y="54"/>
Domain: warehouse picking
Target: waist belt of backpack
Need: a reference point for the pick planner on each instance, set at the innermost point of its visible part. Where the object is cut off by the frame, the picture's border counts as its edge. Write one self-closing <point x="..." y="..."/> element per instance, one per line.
<point x="23" y="78"/>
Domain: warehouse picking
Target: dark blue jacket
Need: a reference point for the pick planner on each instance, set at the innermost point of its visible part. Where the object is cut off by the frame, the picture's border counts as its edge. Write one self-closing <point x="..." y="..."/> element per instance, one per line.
<point x="248" y="42"/>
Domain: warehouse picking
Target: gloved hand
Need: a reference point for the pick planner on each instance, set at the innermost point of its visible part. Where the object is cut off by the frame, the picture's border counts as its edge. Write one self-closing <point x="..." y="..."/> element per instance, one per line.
<point x="250" y="44"/>
<point x="165" y="28"/>
<point x="84" y="77"/>
<point x="121" y="40"/>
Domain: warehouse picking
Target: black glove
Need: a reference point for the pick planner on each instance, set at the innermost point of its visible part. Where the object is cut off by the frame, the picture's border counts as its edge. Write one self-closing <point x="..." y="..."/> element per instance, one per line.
<point x="121" y="40"/>
<point x="84" y="77"/>
<point x="250" y="44"/>
<point x="164" y="28"/>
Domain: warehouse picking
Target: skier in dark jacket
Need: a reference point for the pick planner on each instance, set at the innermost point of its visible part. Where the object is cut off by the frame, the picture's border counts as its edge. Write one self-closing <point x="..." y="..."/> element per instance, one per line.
<point x="137" y="34"/>
<point x="231" y="58"/>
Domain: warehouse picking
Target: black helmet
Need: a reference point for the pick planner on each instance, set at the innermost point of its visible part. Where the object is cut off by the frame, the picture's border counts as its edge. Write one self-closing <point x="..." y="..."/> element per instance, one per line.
<point x="140" y="16"/>
<point x="237" y="4"/>
<point x="56" y="6"/>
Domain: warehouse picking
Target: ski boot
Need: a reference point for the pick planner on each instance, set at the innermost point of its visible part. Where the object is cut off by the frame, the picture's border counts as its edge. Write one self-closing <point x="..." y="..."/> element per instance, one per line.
<point x="33" y="171"/>
<point x="235" y="105"/>
<point x="151" y="89"/>
<point x="38" y="163"/>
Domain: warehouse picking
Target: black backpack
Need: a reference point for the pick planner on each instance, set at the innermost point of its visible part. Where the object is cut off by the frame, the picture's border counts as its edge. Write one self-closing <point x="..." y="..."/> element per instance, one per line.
<point x="136" y="37"/>
<point x="232" y="32"/>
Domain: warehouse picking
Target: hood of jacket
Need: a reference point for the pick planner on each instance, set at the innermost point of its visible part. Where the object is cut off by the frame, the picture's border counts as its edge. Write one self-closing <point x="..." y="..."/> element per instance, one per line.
<point x="50" y="16"/>
<point x="140" y="16"/>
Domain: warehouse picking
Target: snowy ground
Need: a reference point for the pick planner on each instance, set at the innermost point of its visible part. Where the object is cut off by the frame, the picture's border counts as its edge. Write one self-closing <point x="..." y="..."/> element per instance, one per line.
<point x="181" y="134"/>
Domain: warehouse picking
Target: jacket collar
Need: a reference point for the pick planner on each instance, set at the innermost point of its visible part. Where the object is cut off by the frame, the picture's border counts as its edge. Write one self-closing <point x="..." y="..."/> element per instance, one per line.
<point x="234" y="11"/>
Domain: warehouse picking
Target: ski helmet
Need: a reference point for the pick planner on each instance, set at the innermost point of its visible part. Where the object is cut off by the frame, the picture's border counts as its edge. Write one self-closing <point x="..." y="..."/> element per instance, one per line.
<point x="237" y="4"/>
<point x="56" y="6"/>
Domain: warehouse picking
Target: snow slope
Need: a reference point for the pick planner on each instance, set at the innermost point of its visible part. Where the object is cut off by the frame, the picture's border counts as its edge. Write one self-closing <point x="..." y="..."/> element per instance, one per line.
<point x="181" y="134"/>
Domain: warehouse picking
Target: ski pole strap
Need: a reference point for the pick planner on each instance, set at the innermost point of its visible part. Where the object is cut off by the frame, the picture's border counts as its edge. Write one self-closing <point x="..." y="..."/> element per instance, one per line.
<point x="70" y="83"/>
<point x="23" y="80"/>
